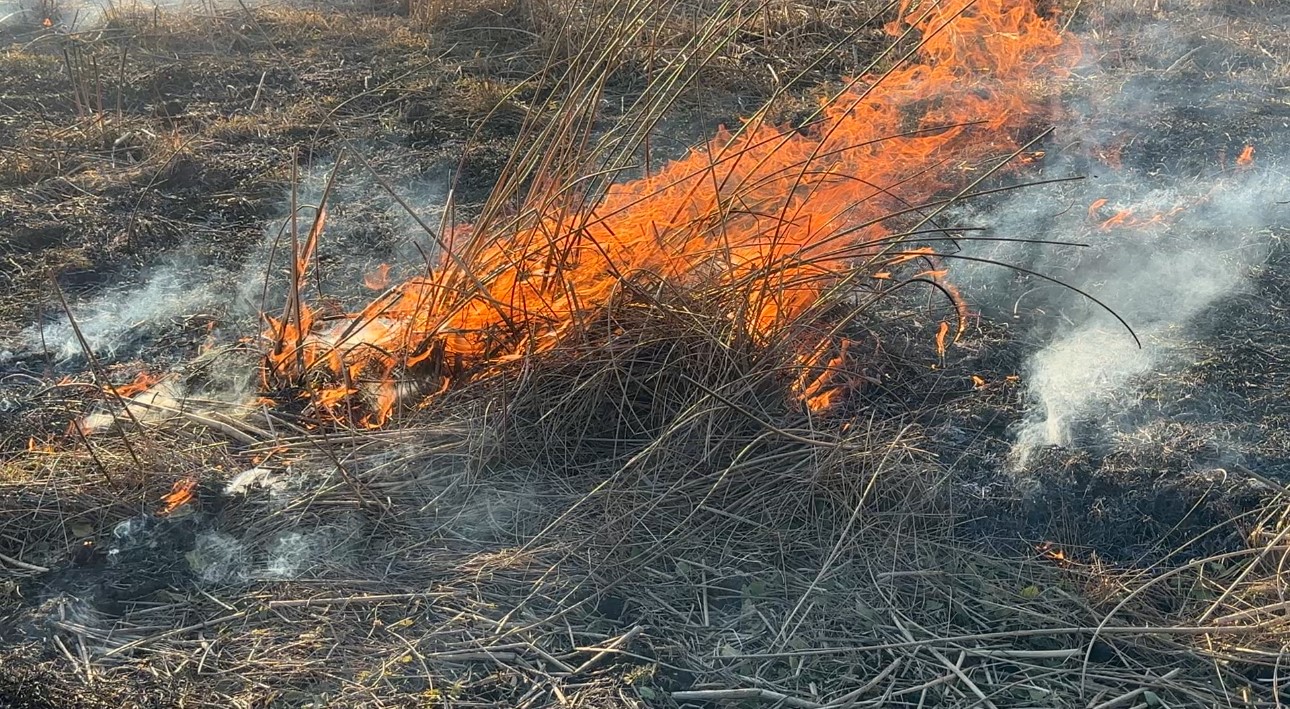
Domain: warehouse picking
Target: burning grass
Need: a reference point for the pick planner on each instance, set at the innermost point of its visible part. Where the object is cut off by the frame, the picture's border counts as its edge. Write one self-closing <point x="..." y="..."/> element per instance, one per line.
<point x="668" y="440"/>
<point x="773" y="226"/>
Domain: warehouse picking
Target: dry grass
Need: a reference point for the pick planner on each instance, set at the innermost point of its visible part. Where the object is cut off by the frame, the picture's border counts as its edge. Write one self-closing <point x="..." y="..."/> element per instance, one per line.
<point x="644" y="516"/>
<point x="489" y="559"/>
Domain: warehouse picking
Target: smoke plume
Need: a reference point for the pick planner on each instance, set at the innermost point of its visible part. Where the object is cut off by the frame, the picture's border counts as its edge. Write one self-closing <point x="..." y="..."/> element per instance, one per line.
<point x="1172" y="216"/>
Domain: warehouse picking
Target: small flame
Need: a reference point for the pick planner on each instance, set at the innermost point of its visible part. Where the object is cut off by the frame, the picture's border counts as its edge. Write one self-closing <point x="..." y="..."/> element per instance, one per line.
<point x="183" y="492"/>
<point x="211" y="341"/>
<point x="1051" y="552"/>
<point x="822" y="392"/>
<point x="34" y="447"/>
<point x="142" y="382"/>
<point x="941" y="333"/>
<point x="1246" y="158"/>
<point x="1127" y="218"/>
<point x="378" y="279"/>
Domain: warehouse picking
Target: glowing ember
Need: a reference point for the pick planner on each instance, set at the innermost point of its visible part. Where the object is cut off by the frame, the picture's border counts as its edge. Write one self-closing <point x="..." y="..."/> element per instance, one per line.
<point x="780" y="217"/>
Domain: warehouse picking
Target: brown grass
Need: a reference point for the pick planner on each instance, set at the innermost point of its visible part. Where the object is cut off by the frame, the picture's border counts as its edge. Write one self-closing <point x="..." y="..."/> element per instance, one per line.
<point x="648" y="523"/>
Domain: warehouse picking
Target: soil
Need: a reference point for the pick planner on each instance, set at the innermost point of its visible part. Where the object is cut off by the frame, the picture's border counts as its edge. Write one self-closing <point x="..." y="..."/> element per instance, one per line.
<point x="164" y="133"/>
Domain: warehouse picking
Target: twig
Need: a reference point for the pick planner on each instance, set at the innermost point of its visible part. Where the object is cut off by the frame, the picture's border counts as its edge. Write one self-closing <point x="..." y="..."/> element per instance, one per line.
<point x="76" y="426"/>
<point x="255" y="102"/>
<point x="954" y="667"/>
<point x="1180" y="60"/>
<point x="1130" y="696"/>
<point x="177" y="631"/>
<point x="735" y="695"/>
<point x="610" y="648"/>
<point x="849" y="698"/>
<point x="85" y="657"/>
<point x="98" y="372"/>
<point x="954" y="640"/>
<point x="347" y="600"/>
<point x="23" y="565"/>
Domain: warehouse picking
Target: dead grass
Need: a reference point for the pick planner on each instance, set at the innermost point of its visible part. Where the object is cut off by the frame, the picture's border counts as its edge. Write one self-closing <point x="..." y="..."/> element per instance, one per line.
<point x="455" y="562"/>
<point x="652" y="522"/>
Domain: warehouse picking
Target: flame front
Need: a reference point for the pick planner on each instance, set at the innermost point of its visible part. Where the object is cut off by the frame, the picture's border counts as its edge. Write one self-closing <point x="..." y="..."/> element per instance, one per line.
<point x="779" y="216"/>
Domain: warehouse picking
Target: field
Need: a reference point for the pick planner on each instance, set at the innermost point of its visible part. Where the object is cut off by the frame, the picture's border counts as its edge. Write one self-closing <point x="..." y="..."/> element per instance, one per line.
<point x="527" y="353"/>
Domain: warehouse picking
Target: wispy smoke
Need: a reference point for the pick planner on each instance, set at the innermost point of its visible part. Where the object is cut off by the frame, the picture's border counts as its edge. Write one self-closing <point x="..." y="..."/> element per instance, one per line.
<point x="1157" y="277"/>
<point x="81" y="15"/>
<point x="123" y="316"/>
<point x="1191" y="226"/>
<point x="364" y="228"/>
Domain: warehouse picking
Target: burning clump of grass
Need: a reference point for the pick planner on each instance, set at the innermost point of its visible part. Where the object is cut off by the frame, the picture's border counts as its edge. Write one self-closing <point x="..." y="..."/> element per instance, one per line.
<point x="770" y="228"/>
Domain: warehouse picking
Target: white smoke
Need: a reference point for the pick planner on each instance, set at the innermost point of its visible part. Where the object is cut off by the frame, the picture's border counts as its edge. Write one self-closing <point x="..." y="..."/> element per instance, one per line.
<point x="219" y="558"/>
<point x="83" y="15"/>
<point x="1086" y="368"/>
<point x="122" y="316"/>
<point x="1196" y="223"/>
<point x="364" y="228"/>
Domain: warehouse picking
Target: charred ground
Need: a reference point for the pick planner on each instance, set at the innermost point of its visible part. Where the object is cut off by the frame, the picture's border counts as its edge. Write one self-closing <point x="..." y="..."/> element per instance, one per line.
<point x="196" y="128"/>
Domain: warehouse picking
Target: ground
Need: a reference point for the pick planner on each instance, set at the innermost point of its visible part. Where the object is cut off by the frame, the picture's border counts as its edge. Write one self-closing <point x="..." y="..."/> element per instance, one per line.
<point x="600" y="539"/>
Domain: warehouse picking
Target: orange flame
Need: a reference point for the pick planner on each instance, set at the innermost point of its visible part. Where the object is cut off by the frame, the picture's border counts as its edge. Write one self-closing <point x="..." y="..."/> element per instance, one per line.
<point x="378" y="279"/>
<point x="1246" y="158"/>
<point x="1051" y="552"/>
<point x="1128" y="219"/>
<point x="34" y="447"/>
<point x="823" y="391"/>
<point x="779" y="216"/>
<point x="181" y="493"/>
<point x="143" y="381"/>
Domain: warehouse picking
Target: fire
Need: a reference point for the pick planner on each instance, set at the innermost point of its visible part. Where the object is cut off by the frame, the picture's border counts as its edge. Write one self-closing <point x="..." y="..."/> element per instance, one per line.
<point x="778" y="216"/>
<point x="821" y="392"/>
<point x="181" y="493"/>
<point x="1246" y="158"/>
<point x="1127" y="218"/>
<point x="36" y="447"/>
<point x="143" y="381"/>
<point x="378" y="279"/>
<point x="1049" y="551"/>
<point x="941" y="331"/>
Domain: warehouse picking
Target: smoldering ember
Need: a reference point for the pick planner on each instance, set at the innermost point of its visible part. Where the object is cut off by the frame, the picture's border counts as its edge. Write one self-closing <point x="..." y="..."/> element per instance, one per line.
<point x="645" y="353"/>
